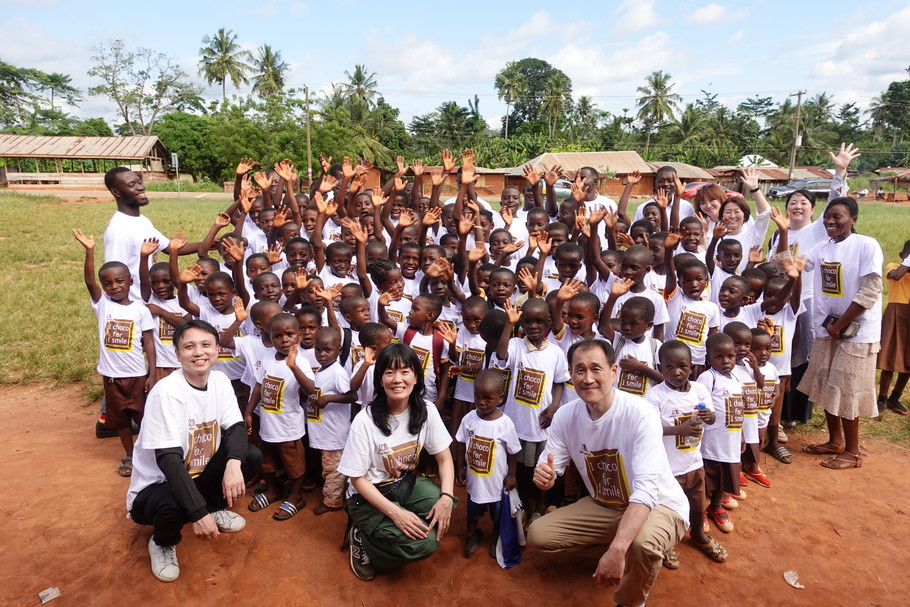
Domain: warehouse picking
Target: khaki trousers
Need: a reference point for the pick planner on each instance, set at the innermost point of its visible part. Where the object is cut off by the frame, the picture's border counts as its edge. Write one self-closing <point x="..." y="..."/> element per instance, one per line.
<point x="585" y="523"/>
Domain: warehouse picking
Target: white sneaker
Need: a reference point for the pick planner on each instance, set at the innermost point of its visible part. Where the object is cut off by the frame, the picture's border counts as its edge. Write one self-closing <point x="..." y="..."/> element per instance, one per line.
<point x="228" y="522"/>
<point x="164" y="561"/>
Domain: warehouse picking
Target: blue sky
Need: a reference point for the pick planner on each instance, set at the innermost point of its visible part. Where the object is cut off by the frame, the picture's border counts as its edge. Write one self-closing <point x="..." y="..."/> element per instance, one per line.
<point x="452" y="51"/>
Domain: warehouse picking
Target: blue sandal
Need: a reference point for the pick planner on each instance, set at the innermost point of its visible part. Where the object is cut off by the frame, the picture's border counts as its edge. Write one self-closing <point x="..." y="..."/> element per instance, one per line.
<point x="261" y="502"/>
<point x="286" y="511"/>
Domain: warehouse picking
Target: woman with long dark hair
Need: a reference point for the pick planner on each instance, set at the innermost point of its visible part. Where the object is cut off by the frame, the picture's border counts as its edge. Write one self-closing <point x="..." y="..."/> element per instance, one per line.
<point x="397" y="517"/>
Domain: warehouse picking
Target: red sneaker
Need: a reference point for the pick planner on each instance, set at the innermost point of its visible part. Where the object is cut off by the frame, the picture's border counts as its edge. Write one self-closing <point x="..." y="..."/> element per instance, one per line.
<point x="742" y="480"/>
<point x="721" y="519"/>
<point x="759" y="478"/>
<point x="729" y="502"/>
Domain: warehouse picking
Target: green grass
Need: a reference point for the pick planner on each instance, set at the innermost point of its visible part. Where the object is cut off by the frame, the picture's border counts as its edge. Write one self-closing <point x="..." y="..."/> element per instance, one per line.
<point x="50" y="331"/>
<point x="185" y="186"/>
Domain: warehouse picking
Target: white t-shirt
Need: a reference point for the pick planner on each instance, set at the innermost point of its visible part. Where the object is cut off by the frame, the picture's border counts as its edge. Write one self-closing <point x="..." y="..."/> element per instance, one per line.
<point x="329" y="426"/>
<point x="371" y="454"/>
<point x="646" y="352"/>
<point x="252" y="351"/>
<point x="782" y="339"/>
<point x="282" y="417"/>
<point x="685" y="210"/>
<point x="751" y="400"/>
<point x="721" y="441"/>
<point x="123" y="242"/>
<point x="423" y="346"/>
<point x="365" y="393"/>
<point x="229" y="362"/>
<point x="487" y="446"/>
<point x="802" y="239"/>
<point x="533" y="373"/>
<point x="179" y="415"/>
<point x="165" y="354"/>
<point x="690" y="321"/>
<point x="749" y="315"/>
<point x="837" y="268"/>
<point x="716" y="282"/>
<point x="471" y="349"/>
<point x="675" y="408"/>
<point x="768" y="393"/>
<point x="751" y="234"/>
<point x="620" y="455"/>
<point x="120" y="337"/>
<point x="661" y="315"/>
<point x="397" y="310"/>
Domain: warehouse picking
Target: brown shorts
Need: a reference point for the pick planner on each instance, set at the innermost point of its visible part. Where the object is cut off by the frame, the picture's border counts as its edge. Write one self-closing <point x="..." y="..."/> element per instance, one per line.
<point x="750" y="455"/>
<point x="721" y="476"/>
<point x="287" y="455"/>
<point x="693" y="485"/>
<point x="124" y="398"/>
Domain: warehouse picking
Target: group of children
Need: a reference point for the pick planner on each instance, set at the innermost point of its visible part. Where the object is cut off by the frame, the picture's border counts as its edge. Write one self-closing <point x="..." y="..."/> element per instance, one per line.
<point x="310" y="287"/>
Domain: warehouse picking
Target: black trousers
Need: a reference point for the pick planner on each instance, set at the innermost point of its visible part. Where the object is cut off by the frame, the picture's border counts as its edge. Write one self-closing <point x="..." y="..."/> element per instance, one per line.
<point x="156" y="504"/>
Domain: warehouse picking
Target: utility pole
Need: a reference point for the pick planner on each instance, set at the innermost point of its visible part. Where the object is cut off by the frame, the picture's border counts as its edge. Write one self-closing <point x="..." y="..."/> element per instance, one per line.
<point x="797" y="138"/>
<point x="309" y="153"/>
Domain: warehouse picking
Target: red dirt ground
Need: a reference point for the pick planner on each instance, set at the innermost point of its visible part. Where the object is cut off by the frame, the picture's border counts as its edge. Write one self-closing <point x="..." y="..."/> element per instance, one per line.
<point x="62" y="513"/>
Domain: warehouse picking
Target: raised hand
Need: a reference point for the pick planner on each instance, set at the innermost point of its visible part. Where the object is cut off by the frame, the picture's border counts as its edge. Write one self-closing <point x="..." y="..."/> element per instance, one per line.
<point x="437" y="176"/>
<point x="624" y="240"/>
<point x="361" y="168"/>
<point x="149" y="246"/>
<point x="239" y="310"/>
<point x="431" y="217"/>
<point x="286" y="170"/>
<point x="357" y="184"/>
<point x="222" y="220"/>
<point x="465" y="226"/>
<point x="721" y="229"/>
<point x="191" y="274"/>
<point x="512" y="311"/>
<point x="86" y="241"/>
<point x="755" y="255"/>
<point x="661" y="199"/>
<point x="749" y="177"/>
<point x="245" y="202"/>
<point x="233" y="249"/>
<point x="331" y="208"/>
<point x="399" y="183"/>
<point x="448" y="161"/>
<point x="302" y="279"/>
<point x="178" y="241"/>
<point x="532" y="241"/>
<point x="327" y="184"/>
<point x="354" y="229"/>
<point x="281" y="217"/>
<point x="581" y="219"/>
<point x="434" y="270"/>
<point x="347" y="169"/>
<point x="468" y="173"/>
<point x="550" y="176"/>
<point x="680" y="187"/>
<point x="672" y="239"/>
<point x="477" y="253"/>
<point x="598" y="216"/>
<point x="319" y="201"/>
<point x="291" y="358"/>
<point x="621" y="286"/>
<point x="633" y="177"/>
<point x="513" y="246"/>
<point x="578" y="188"/>
<point x="569" y="289"/>
<point x="844" y="157"/>
<point x="528" y="279"/>
<point x="532" y="175"/>
<point x="610" y="219"/>
<point x="262" y="180"/>
<point x="326" y="164"/>
<point x="402" y="167"/>
<point x="245" y="165"/>
<point x="446" y="331"/>
<point x="275" y="251"/>
<point x="507" y="216"/>
<point x="782" y="221"/>
<point x="544" y="245"/>
<point x="378" y="199"/>
<point x="418" y="167"/>
<point x="407" y="218"/>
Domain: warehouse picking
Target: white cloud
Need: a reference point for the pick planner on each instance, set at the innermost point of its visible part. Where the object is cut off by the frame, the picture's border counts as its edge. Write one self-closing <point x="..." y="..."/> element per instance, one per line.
<point x="715" y="13"/>
<point x="738" y="36"/>
<point x="636" y="16"/>
<point x="301" y="9"/>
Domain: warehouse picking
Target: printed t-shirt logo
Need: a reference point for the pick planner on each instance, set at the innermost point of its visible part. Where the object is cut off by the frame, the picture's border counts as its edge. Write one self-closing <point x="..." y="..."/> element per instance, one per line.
<point x="682" y="442"/>
<point x="471" y="358"/>
<point x="750" y="399"/>
<point x="832" y="279"/>
<point x="607" y="474"/>
<point x="777" y="340"/>
<point x="733" y="407"/>
<point x="356" y="355"/>
<point x="691" y="327"/>
<point x="313" y="413"/>
<point x="165" y="331"/>
<point x="395" y="315"/>
<point x="226" y="353"/>
<point x="632" y="382"/>
<point x="768" y="394"/>
<point x="118" y="335"/>
<point x="480" y="455"/>
<point x="271" y="398"/>
<point x="399" y="457"/>
<point x="448" y="324"/>
<point x="529" y="384"/>
<point x="423" y="355"/>
<point x="203" y="438"/>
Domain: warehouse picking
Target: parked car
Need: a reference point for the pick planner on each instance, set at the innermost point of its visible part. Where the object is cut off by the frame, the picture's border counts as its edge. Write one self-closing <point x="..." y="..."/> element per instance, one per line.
<point x="695" y="186"/>
<point x="819" y="187"/>
<point x="563" y="188"/>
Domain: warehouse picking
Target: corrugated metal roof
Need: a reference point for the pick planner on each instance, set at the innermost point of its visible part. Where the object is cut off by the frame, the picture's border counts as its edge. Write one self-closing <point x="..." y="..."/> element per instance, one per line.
<point x="766" y="173"/>
<point x="621" y="163"/>
<point x="40" y="146"/>
<point x="479" y="170"/>
<point x="685" y="171"/>
<point x="814" y="171"/>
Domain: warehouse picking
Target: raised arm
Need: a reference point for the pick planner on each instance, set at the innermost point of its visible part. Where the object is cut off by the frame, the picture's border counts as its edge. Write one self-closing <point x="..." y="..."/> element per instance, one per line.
<point x="842" y="160"/>
<point x="631" y="180"/>
<point x="569" y="290"/>
<point x="88" y="267"/>
<point x="550" y="177"/>
<point x="183" y="279"/>
<point x="222" y="220"/>
<point x="226" y="339"/>
<point x="670" y="243"/>
<point x="149" y="246"/>
<point x="512" y="317"/>
<point x="720" y="230"/>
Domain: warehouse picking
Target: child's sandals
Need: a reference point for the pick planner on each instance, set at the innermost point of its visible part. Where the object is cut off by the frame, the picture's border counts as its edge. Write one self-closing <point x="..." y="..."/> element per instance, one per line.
<point x="125" y="469"/>
<point x="843" y="461"/>
<point x="714" y="550"/>
<point x="260" y="502"/>
<point x="671" y="559"/>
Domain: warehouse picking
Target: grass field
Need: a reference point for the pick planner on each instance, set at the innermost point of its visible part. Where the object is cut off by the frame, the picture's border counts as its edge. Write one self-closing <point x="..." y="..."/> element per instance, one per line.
<point x="50" y="333"/>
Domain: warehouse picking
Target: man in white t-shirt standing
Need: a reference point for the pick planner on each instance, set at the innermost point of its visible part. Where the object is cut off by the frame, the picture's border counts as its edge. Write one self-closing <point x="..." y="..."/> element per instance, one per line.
<point x="192" y="458"/>
<point x="635" y="505"/>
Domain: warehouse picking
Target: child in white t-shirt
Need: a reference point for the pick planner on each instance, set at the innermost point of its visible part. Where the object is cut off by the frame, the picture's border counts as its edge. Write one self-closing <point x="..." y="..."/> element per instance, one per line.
<point x="328" y="416"/>
<point x="125" y="330"/>
<point x="770" y="394"/>
<point x="684" y="406"/>
<point x="748" y="372"/>
<point x="636" y="350"/>
<point x="374" y="337"/>
<point x="488" y="461"/>
<point x="468" y="350"/>
<point x="160" y="298"/>
<point x="282" y="417"/>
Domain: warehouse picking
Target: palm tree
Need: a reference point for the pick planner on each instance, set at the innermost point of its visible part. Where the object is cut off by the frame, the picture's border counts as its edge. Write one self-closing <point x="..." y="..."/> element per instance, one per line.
<point x="509" y="84"/>
<point x="270" y="70"/>
<point x="556" y="99"/>
<point x="361" y="88"/>
<point x="452" y="122"/>
<point x="59" y="84"/>
<point x="656" y="103"/>
<point x="222" y="58"/>
<point x="690" y="128"/>
<point x="332" y="106"/>
<point x="584" y="117"/>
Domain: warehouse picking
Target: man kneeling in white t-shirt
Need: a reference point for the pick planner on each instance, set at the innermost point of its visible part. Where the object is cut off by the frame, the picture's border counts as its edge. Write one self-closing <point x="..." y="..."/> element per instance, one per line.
<point x="192" y="457"/>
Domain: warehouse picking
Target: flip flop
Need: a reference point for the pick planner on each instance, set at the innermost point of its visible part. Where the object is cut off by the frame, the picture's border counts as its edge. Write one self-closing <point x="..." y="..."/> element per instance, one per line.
<point x="781" y="454"/>
<point x="823" y="449"/>
<point x="260" y="502"/>
<point x="125" y="469"/>
<point x="286" y="511"/>
<point x="714" y="550"/>
<point x="835" y="463"/>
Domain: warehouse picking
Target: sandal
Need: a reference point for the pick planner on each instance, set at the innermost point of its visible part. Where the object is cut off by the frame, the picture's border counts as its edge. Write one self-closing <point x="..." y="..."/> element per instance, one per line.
<point x="781" y="454"/>
<point x="260" y="502"/>
<point x="828" y="448"/>
<point x="671" y="559"/>
<point x="759" y="478"/>
<point x="896" y="406"/>
<point x="125" y="468"/>
<point x="721" y="519"/>
<point x="287" y="510"/>
<point x="838" y="463"/>
<point x="714" y="550"/>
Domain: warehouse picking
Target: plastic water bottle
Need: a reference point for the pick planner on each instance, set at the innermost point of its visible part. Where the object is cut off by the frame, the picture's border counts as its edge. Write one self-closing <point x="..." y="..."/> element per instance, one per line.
<point x="692" y="441"/>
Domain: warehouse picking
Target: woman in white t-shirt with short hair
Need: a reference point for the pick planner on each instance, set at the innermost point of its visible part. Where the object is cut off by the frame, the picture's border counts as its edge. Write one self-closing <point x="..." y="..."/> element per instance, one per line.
<point x="380" y="458"/>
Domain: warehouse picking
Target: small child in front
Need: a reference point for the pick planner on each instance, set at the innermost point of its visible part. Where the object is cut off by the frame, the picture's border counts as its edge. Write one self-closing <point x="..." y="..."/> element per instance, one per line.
<point x="489" y="459"/>
<point x="722" y="442"/>
<point x="282" y="419"/>
<point x="683" y="407"/>
<point x="125" y="329"/>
